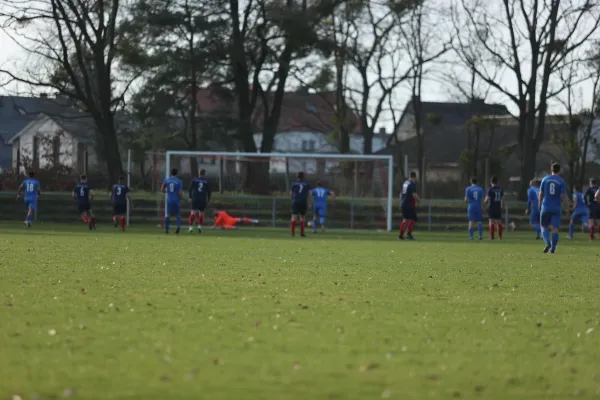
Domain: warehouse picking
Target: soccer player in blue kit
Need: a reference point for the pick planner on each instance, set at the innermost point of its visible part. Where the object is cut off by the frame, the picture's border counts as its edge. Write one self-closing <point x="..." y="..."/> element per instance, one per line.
<point x="474" y="195"/>
<point x="553" y="192"/>
<point x="32" y="193"/>
<point x="299" y="195"/>
<point x="532" y="207"/>
<point x="172" y="186"/>
<point x="320" y="195"/>
<point x="580" y="211"/>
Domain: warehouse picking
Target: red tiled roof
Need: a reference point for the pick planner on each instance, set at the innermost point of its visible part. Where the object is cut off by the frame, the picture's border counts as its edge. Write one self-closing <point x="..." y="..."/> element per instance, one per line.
<point x="313" y="112"/>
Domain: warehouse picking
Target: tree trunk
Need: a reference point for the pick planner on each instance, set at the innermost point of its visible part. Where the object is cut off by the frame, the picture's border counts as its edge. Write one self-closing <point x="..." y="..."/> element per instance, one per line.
<point x="110" y="147"/>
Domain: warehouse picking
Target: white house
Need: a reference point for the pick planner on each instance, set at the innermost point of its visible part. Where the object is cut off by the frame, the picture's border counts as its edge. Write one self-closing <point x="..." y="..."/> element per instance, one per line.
<point x="48" y="141"/>
<point x="307" y="142"/>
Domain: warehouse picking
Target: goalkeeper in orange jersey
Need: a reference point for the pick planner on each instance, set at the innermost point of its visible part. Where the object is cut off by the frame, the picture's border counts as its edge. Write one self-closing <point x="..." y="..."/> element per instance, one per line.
<point x="225" y="221"/>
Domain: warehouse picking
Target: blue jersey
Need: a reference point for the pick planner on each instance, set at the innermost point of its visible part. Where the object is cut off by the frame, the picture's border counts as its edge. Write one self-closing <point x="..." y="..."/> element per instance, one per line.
<point x="173" y="186"/>
<point x="553" y="187"/>
<point x="31" y="187"/>
<point x="474" y="195"/>
<point x="409" y="189"/>
<point x="320" y="196"/>
<point x="119" y="193"/>
<point x="300" y="191"/>
<point x="532" y="199"/>
<point x="82" y="193"/>
<point x="579" y="202"/>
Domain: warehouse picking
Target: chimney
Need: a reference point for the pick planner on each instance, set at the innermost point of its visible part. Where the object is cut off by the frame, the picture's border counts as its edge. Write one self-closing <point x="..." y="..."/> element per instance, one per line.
<point x="382" y="131"/>
<point x="43" y="95"/>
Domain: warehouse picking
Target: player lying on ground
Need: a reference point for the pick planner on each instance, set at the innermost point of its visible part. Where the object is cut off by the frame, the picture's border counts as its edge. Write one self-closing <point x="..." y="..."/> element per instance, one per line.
<point x="580" y="211"/>
<point x="408" y="204"/>
<point x="553" y="192"/>
<point x="532" y="206"/>
<point x="319" y="195"/>
<point x="200" y="194"/>
<point x="299" y="195"/>
<point x="83" y="195"/>
<point x="32" y="194"/>
<point x="120" y="195"/>
<point x="474" y="196"/>
<point x="593" y="207"/>
<point x="172" y="187"/>
<point x="495" y="201"/>
<point x="225" y="221"/>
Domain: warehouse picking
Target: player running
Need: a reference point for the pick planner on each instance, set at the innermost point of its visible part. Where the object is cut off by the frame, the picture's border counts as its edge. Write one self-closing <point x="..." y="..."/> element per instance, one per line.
<point x="593" y="207"/>
<point x="532" y="207"/>
<point x="408" y="205"/>
<point x="495" y="201"/>
<point x="580" y="211"/>
<point x="32" y="193"/>
<point x="553" y="192"/>
<point x="120" y="196"/>
<point x="225" y="221"/>
<point x="320" y="195"/>
<point x="200" y="195"/>
<point x="172" y="186"/>
<point x="299" y="195"/>
<point x="84" y="195"/>
<point x="474" y="195"/>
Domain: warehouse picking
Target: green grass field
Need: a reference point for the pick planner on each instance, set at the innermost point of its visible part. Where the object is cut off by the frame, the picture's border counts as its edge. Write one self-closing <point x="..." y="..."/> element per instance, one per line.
<point x="255" y="314"/>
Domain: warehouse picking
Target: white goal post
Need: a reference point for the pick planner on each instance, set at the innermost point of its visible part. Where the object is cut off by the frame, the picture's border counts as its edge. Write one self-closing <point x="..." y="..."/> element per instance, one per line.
<point x="386" y="160"/>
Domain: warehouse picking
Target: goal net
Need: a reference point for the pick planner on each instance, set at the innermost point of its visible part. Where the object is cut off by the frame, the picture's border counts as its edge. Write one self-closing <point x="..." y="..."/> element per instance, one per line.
<point x="257" y="185"/>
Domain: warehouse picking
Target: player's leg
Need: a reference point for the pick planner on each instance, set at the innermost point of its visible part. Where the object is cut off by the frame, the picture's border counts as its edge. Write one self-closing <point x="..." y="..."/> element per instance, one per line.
<point x="412" y="219"/>
<point x="115" y="217"/>
<point x="545" y="217"/>
<point x="322" y="215"/>
<point x="302" y="219"/>
<point x="31" y="206"/>
<point x="592" y="226"/>
<point x="470" y="218"/>
<point x="170" y="212"/>
<point x="315" y="219"/>
<point x="192" y="218"/>
<point x="492" y="228"/>
<point x="200" y="219"/>
<point x="404" y="223"/>
<point x="534" y="220"/>
<point x="574" y="218"/>
<point x="500" y="227"/>
<point x="293" y="221"/>
<point x="177" y="210"/>
<point x="555" y="225"/>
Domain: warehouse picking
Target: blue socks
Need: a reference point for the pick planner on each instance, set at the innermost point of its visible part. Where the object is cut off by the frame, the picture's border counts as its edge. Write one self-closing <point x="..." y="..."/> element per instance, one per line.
<point x="315" y="225"/>
<point x="538" y="230"/>
<point x="571" y="230"/>
<point x="178" y="221"/>
<point x="167" y="220"/>
<point x="546" y="235"/>
<point x="29" y="218"/>
<point x="554" y="242"/>
<point x="480" y="230"/>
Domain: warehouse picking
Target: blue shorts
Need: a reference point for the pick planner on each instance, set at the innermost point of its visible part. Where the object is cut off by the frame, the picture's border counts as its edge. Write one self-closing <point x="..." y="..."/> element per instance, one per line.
<point x="534" y="217"/>
<point x="474" y="214"/>
<point x="550" y="218"/>
<point x="319" y="211"/>
<point x="580" y="215"/>
<point x="173" y="208"/>
<point x="31" y="204"/>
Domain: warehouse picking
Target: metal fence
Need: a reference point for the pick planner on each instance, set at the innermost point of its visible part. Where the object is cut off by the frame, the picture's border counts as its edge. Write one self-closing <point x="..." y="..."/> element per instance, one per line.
<point x="345" y="212"/>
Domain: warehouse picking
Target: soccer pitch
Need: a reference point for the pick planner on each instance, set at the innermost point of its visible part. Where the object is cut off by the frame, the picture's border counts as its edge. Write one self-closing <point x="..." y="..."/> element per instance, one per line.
<point x="255" y="314"/>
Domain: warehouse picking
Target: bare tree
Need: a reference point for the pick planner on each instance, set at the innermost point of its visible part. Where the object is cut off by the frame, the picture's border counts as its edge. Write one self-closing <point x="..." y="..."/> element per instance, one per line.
<point x="423" y="45"/>
<point x="523" y="43"/>
<point x="73" y="45"/>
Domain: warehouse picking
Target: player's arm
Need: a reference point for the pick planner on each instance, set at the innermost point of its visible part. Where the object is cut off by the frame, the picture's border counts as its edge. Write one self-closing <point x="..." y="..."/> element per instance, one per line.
<point x="19" y="191"/>
<point x="487" y="198"/>
<point x="92" y="193"/>
<point x="540" y="199"/>
<point x="129" y="199"/>
<point x="208" y="193"/>
<point x="466" y="199"/>
<point x="502" y="200"/>
<point x="110" y="194"/>
<point x="416" y="196"/>
<point x="74" y="194"/>
<point x="575" y="202"/>
<point x="332" y="195"/>
<point x="529" y="204"/>
<point x="163" y="188"/>
<point x="597" y="195"/>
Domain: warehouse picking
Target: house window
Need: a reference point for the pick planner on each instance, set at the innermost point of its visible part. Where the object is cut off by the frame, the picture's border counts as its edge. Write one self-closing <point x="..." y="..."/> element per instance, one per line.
<point x="308" y="145"/>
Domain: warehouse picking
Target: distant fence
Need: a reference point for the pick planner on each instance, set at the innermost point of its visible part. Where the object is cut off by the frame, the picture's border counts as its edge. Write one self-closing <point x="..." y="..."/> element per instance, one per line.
<point x="434" y="215"/>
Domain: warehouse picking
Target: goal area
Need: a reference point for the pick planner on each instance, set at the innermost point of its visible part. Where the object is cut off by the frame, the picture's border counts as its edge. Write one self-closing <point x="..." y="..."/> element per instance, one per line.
<point x="257" y="185"/>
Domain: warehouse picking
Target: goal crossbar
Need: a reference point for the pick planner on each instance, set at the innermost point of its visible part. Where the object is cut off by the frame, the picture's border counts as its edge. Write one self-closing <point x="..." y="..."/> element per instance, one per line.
<point x="329" y="156"/>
